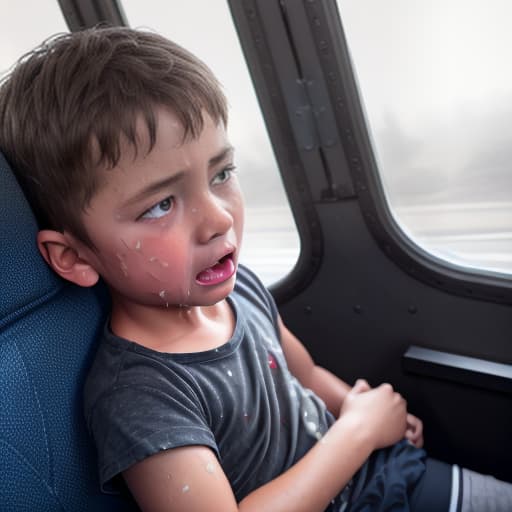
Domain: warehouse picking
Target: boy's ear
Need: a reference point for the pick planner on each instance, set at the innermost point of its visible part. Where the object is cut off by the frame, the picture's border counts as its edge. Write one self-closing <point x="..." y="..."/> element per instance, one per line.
<point x="62" y="256"/>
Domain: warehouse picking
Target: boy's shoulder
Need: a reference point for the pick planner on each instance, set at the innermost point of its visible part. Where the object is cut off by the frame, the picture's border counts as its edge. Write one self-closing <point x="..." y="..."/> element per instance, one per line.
<point x="248" y="285"/>
<point x="245" y="276"/>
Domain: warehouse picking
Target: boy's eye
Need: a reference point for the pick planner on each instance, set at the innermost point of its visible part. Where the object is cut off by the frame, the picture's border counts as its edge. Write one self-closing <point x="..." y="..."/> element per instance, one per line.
<point x="159" y="210"/>
<point x="223" y="175"/>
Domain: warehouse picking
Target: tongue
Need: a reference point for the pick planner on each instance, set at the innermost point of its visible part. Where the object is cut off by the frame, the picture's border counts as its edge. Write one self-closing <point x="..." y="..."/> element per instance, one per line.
<point x="219" y="272"/>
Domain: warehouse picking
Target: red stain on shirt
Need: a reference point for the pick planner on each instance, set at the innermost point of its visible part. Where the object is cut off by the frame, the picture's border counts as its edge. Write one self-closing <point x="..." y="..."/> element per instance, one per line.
<point x="272" y="362"/>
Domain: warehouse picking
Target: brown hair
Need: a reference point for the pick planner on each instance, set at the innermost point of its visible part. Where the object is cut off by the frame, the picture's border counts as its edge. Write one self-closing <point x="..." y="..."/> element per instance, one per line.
<point x="66" y="104"/>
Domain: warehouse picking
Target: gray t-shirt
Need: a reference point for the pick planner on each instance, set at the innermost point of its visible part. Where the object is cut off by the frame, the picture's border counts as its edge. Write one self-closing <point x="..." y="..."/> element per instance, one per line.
<point x="239" y="399"/>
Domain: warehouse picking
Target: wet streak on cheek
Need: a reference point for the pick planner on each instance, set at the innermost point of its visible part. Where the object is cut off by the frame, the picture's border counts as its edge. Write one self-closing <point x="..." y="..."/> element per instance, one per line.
<point x="153" y="276"/>
<point x="122" y="264"/>
<point x="161" y="264"/>
<point x="157" y="267"/>
<point x="140" y="249"/>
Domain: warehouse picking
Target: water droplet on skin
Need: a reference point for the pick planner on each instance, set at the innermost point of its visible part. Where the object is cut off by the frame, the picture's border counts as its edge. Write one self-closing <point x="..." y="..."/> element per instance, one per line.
<point x="154" y="259"/>
<point x="138" y="245"/>
<point x="185" y="489"/>
<point x="311" y="425"/>
<point x="230" y="373"/>
<point x="210" y="468"/>
<point x="162" y="294"/>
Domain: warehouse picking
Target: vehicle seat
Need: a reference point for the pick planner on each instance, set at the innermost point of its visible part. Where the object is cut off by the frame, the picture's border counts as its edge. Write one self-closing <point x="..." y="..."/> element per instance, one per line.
<point x="47" y="337"/>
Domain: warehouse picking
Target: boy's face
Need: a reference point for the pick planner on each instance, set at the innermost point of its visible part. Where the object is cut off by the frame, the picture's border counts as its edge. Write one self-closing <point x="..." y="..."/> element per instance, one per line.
<point x="167" y="225"/>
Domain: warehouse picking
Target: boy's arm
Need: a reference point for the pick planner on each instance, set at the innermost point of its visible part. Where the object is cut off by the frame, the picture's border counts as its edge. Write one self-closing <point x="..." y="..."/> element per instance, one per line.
<point x="190" y="479"/>
<point x="330" y="388"/>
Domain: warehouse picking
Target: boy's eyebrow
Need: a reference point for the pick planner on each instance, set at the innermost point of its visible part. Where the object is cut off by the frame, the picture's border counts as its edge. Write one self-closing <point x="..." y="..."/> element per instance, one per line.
<point x="155" y="187"/>
<point x="221" y="155"/>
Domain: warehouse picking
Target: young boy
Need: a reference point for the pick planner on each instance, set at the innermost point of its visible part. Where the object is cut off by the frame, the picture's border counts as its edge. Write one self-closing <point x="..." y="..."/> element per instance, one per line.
<point x="199" y="397"/>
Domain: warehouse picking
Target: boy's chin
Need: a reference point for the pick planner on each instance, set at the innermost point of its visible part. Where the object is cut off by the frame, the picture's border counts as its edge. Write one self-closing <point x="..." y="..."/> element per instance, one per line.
<point x="211" y="298"/>
<point x="199" y="296"/>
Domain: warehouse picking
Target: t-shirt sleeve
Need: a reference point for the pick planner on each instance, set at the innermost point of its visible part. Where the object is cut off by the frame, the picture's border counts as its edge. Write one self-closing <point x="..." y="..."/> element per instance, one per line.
<point x="251" y="288"/>
<point x="131" y="423"/>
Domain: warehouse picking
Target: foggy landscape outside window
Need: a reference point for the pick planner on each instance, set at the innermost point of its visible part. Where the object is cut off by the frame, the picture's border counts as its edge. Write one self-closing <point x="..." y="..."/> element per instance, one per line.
<point x="271" y="243"/>
<point x="436" y="83"/>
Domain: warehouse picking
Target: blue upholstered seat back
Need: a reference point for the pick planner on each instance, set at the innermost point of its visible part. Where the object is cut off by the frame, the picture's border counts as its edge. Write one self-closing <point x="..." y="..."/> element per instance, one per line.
<point x="47" y="337"/>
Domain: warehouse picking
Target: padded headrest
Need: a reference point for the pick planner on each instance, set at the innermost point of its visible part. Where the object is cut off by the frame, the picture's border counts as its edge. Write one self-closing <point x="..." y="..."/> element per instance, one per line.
<point x="31" y="280"/>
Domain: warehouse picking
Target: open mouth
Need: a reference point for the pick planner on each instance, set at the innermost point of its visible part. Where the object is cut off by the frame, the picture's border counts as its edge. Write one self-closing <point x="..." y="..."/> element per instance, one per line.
<point x="218" y="273"/>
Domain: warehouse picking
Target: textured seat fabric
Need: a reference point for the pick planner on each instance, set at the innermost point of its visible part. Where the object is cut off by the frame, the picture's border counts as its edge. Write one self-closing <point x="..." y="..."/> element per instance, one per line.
<point x="47" y="338"/>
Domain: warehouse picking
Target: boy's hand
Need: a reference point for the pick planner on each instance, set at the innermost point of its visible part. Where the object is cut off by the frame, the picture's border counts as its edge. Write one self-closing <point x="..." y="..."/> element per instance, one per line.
<point x="379" y="412"/>
<point x="414" y="431"/>
<point x="361" y="386"/>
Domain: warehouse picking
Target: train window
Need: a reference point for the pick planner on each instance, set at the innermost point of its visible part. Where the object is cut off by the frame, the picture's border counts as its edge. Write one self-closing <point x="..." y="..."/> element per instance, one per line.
<point x="437" y="90"/>
<point x="271" y="242"/>
<point x="23" y="27"/>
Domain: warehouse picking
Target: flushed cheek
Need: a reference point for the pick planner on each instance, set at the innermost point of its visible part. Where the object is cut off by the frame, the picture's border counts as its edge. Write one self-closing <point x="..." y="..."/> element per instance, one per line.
<point x="152" y="265"/>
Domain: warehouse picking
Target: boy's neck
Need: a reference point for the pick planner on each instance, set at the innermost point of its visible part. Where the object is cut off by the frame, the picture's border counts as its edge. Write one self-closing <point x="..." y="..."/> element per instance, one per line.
<point x="174" y="329"/>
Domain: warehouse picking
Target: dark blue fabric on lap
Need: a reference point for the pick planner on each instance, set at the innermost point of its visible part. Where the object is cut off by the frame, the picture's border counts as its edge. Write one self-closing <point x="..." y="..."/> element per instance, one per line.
<point x="433" y="493"/>
<point x="386" y="482"/>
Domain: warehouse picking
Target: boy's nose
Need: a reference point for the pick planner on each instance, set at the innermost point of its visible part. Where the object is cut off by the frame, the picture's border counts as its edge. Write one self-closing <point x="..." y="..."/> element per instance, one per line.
<point x="212" y="217"/>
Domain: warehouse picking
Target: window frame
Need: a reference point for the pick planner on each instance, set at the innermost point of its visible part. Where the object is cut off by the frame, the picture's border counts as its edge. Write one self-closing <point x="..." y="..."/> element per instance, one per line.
<point x="80" y="15"/>
<point x="256" y="22"/>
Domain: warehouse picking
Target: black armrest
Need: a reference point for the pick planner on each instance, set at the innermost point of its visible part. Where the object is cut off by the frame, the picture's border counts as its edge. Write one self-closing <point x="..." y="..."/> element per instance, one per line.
<point x="466" y="370"/>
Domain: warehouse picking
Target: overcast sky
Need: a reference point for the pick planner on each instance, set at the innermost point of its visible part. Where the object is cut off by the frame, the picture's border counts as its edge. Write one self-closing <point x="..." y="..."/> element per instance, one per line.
<point x="437" y="83"/>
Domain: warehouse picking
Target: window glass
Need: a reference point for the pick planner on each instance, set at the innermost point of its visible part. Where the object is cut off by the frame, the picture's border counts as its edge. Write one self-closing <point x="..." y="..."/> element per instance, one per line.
<point x="436" y="83"/>
<point x="24" y="25"/>
<point x="271" y="242"/>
